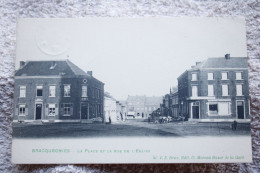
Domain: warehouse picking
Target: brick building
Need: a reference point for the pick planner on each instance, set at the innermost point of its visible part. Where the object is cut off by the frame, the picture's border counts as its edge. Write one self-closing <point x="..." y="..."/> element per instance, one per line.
<point x="216" y="88"/>
<point x="53" y="91"/>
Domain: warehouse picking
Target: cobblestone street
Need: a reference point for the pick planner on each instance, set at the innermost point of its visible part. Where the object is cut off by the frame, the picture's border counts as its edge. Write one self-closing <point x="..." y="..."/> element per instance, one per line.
<point x="131" y="128"/>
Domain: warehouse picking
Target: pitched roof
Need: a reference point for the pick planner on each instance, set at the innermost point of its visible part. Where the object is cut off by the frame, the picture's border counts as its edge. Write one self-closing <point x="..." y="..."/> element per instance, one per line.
<point x="49" y="68"/>
<point x="239" y="62"/>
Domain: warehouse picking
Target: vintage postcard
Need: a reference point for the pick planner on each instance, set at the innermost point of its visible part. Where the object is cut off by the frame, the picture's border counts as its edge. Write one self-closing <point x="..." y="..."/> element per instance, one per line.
<point x="131" y="90"/>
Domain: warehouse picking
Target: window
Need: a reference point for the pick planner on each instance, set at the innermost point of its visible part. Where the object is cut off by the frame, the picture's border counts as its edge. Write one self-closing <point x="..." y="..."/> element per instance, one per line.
<point x="84" y="91"/>
<point x="194" y="91"/>
<point x="38" y="91"/>
<point x="239" y="90"/>
<point x="210" y="76"/>
<point x="210" y="90"/>
<point x="213" y="108"/>
<point x="22" y="91"/>
<point x="224" y="75"/>
<point x="66" y="90"/>
<point x="67" y="109"/>
<point x="194" y="77"/>
<point x="224" y="90"/>
<point x="238" y="75"/>
<point x="51" y="110"/>
<point x="224" y="108"/>
<point x="21" y="110"/>
<point x="52" y="90"/>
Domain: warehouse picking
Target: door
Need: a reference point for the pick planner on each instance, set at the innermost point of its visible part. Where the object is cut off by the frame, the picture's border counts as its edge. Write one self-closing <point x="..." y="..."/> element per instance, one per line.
<point x="38" y="111"/>
<point x="84" y="111"/>
<point x="240" y="110"/>
<point x="195" y="112"/>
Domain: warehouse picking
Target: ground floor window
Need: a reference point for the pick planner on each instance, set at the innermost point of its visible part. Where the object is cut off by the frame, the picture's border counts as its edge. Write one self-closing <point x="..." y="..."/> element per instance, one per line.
<point x="51" y="110"/>
<point x="213" y="108"/>
<point x="21" y="110"/>
<point x="219" y="108"/>
<point x="67" y="107"/>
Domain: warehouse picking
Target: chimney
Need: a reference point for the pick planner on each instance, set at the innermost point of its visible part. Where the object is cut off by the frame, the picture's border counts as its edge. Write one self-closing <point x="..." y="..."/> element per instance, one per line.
<point x="89" y="73"/>
<point x="22" y="63"/>
<point x="198" y="63"/>
<point x="227" y="56"/>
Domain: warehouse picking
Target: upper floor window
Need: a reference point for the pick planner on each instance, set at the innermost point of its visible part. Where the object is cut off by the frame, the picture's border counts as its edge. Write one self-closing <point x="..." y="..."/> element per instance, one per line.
<point x="38" y="91"/>
<point x="210" y="76"/>
<point x="239" y="90"/>
<point x="22" y="91"/>
<point x="52" y="91"/>
<point x="238" y="75"/>
<point x="194" y="76"/>
<point x="84" y="92"/>
<point x="66" y="90"/>
<point x="194" y="91"/>
<point x="224" y="75"/>
<point x="225" y="90"/>
<point x="210" y="90"/>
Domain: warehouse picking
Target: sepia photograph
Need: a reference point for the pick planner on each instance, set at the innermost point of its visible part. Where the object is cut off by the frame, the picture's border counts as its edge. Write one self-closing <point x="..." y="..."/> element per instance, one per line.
<point x="97" y="87"/>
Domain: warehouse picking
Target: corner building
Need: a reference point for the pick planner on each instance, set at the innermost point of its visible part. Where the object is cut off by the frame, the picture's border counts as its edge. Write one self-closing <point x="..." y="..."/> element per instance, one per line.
<point x="216" y="89"/>
<point x="56" y="91"/>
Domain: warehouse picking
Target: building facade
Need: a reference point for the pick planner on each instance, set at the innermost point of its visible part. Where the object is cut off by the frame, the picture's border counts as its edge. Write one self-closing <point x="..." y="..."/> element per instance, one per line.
<point x="170" y="105"/>
<point x="215" y="89"/>
<point x="53" y="91"/>
<point x="110" y="109"/>
<point x="143" y="105"/>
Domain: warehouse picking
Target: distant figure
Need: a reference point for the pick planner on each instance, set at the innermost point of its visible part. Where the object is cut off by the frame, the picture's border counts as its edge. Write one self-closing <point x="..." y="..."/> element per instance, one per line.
<point x="109" y="119"/>
<point x="234" y="125"/>
<point x="142" y="115"/>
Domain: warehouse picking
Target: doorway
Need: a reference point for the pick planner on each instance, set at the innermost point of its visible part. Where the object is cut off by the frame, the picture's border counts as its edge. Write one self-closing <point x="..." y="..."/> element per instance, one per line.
<point x="84" y="111"/>
<point x="38" y="111"/>
<point x="196" y="110"/>
<point x="240" y="110"/>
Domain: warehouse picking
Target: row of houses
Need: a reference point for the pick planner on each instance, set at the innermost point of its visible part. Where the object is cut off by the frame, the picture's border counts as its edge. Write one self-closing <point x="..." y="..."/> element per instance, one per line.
<point x="213" y="90"/>
<point x="114" y="111"/>
<point x="141" y="106"/>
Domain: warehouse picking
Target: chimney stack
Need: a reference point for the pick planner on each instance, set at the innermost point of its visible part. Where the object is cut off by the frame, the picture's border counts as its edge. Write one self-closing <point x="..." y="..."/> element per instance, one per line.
<point x="227" y="56"/>
<point x="22" y="63"/>
<point x="89" y="73"/>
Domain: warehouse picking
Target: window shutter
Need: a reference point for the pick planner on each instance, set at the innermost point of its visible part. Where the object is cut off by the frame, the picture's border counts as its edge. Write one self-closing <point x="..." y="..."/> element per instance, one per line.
<point x="62" y="109"/>
<point x="71" y="109"/>
<point x="228" y="89"/>
<point x="16" y="110"/>
<point x="26" y="110"/>
<point x="56" y="109"/>
<point x="46" y="110"/>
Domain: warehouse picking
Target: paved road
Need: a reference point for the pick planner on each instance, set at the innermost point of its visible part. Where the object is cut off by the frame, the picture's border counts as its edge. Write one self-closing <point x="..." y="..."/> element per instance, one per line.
<point x="131" y="128"/>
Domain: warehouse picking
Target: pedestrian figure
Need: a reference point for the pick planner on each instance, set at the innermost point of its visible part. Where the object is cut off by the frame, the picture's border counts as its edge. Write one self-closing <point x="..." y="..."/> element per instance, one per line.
<point x="109" y="119"/>
<point x="235" y="125"/>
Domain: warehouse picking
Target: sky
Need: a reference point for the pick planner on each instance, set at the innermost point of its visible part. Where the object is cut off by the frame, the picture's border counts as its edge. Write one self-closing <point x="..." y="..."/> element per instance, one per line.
<point x="132" y="56"/>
